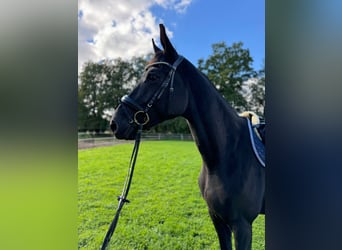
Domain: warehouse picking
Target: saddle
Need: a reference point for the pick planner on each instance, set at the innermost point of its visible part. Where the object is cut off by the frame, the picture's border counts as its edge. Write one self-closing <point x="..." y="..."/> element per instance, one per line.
<point x="257" y="135"/>
<point x="258" y="126"/>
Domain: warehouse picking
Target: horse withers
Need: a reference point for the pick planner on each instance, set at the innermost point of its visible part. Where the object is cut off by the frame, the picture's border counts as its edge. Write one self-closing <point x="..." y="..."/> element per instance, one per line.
<point x="231" y="181"/>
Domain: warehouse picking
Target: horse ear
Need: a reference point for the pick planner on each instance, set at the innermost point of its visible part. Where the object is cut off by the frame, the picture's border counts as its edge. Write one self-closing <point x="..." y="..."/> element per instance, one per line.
<point x="168" y="48"/>
<point x="155" y="47"/>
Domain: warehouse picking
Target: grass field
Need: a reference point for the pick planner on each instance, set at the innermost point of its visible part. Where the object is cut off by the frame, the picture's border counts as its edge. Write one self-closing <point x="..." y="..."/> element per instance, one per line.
<point x="166" y="209"/>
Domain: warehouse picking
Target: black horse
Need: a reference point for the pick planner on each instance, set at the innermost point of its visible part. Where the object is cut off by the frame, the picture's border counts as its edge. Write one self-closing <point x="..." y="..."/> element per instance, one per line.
<point x="232" y="180"/>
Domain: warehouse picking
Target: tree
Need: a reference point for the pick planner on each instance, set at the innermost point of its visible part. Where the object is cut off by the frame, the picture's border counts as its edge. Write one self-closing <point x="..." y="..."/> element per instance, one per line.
<point x="228" y="68"/>
<point x="101" y="86"/>
<point x="83" y="113"/>
<point x="258" y="93"/>
<point x="176" y="125"/>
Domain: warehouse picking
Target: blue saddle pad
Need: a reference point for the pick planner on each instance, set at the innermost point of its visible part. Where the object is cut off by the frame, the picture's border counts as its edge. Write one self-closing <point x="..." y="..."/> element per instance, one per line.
<point x="257" y="144"/>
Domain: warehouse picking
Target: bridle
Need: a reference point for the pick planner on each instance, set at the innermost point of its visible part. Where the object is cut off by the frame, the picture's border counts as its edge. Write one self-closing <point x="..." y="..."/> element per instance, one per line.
<point x="141" y="116"/>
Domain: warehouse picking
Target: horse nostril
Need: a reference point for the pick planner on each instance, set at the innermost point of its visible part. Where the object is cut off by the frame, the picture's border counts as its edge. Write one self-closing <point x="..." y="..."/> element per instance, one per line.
<point x="113" y="126"/>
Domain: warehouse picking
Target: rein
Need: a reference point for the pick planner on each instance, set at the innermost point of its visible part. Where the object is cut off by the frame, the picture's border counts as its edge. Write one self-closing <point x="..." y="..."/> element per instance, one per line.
<point x="140" y="118"/>
<point x="123" y="197"/>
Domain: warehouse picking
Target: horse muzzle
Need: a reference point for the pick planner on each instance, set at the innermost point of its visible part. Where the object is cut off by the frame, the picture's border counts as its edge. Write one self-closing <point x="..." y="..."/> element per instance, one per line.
<point x="113" y="126"/>
<point x="123" y="128"/>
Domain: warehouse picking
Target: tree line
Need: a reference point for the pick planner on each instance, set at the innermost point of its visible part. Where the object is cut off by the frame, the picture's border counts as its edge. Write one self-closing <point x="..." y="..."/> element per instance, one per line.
<point x="229" y="68"/>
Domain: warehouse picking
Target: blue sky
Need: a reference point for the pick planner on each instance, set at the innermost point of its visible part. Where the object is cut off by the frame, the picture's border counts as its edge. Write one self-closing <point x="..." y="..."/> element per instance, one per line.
<point x="109" y="29"/>
<point x="207" y="22"/>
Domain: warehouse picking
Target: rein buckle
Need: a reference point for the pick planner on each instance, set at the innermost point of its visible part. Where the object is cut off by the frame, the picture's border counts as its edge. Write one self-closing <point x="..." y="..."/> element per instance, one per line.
<point x="141" y="118"/>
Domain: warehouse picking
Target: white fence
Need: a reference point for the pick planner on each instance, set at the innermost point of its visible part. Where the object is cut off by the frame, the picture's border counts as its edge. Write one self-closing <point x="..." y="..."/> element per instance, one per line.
<point x="109" y="141"/>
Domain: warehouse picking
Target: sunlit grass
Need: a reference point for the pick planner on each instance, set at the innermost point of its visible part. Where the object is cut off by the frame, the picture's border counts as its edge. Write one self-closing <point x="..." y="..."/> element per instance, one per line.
<point x="166" y="209"/>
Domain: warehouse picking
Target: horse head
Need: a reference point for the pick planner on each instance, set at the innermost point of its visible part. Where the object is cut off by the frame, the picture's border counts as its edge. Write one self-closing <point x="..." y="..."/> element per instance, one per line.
<point x="159" y="95"/>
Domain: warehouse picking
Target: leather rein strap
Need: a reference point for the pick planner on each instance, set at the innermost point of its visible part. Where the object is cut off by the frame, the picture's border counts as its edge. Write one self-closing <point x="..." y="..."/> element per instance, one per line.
<point x="123" y="197"/>
<point x="141" y="118"/>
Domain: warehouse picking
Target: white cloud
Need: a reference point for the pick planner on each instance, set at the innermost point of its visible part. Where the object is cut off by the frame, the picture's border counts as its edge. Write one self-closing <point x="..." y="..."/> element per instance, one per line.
<point x="177" y="5"/>
<point x="119" y="28"/>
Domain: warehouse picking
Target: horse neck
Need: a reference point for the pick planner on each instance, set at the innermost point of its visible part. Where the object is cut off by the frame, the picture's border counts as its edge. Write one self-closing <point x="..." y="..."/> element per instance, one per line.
<point x="214" y="124"/>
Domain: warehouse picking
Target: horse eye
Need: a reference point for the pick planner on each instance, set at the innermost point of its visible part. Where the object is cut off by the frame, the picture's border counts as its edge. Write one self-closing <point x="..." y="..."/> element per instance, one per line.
<point x="152" y="77"/>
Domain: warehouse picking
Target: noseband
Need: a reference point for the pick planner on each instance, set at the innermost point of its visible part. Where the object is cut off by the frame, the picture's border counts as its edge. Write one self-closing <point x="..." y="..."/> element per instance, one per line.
<point x="141" y="116"/>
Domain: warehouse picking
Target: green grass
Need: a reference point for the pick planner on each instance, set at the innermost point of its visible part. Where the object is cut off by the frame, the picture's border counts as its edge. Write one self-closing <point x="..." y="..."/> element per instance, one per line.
<point x="166" y="209"/>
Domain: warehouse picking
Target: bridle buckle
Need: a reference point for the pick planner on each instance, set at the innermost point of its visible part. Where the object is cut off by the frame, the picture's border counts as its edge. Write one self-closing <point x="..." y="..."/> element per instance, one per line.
<point x="141" y="118"/>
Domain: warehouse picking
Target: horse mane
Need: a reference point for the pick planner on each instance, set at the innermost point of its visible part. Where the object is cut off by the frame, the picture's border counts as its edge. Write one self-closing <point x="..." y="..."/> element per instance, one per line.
<point x="157" y="56"/>
<point x="215" y="92"/>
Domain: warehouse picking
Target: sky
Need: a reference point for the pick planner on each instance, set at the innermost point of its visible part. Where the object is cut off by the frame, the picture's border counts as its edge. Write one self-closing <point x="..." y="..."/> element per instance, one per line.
<point x="109" y="29"/>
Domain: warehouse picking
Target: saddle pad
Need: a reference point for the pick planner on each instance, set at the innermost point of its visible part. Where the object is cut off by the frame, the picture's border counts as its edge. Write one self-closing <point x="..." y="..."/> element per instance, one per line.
<point x="257" y="145"/>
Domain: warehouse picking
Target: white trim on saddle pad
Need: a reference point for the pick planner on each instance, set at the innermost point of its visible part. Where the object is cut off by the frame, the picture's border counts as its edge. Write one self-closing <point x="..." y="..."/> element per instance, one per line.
<point x="256" y="141"/>
<point x="255" y="120"/>
<point x="257" y="145"/>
